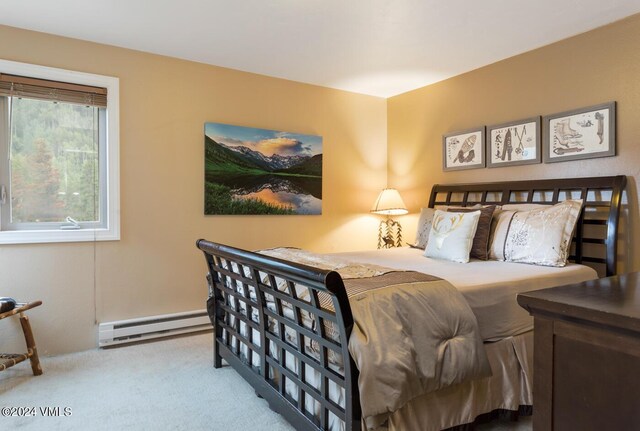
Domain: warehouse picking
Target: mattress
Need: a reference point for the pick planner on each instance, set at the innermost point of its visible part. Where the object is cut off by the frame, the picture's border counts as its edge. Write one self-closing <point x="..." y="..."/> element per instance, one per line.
<point x="490" y="287"/>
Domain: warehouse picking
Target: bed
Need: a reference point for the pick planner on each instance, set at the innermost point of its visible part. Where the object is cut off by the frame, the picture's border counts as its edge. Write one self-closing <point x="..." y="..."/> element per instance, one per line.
<point x="286" y="327"/>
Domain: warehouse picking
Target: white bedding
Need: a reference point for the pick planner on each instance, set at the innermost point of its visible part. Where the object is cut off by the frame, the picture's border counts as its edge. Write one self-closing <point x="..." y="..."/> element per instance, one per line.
<point x="490" y="287"/>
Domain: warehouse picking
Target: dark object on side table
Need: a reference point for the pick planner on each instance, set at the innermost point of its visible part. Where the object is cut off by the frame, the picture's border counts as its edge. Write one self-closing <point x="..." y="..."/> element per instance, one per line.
<point x="7" y="304"/>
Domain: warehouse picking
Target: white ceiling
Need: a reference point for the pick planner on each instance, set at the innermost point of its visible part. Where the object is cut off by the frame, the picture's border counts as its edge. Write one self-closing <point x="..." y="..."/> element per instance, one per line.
<point x="376" y="47"/>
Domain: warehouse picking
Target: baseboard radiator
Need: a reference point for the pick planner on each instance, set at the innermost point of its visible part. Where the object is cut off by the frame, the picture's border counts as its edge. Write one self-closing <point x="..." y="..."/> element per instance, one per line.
<point x="147" y="328"/>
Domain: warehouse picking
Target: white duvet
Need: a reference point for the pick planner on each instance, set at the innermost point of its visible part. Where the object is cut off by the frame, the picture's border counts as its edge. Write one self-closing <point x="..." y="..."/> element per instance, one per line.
<point x="490" y="287"/>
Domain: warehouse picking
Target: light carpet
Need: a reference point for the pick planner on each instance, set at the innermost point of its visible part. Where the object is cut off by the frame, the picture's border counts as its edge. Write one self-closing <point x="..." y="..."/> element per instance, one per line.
<point x="164" y="385"/>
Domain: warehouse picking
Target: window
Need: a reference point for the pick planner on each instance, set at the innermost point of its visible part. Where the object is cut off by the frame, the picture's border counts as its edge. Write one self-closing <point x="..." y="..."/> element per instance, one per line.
<point x="58" y="155"/>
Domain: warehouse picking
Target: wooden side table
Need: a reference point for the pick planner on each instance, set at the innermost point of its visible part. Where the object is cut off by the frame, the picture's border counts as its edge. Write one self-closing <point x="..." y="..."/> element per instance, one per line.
<point x="586" y="355"/>
<point x="10" y="359"/>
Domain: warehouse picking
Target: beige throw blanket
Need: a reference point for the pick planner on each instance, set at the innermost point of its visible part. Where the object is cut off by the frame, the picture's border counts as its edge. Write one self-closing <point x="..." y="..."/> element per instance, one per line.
<point x="413" y="333"/>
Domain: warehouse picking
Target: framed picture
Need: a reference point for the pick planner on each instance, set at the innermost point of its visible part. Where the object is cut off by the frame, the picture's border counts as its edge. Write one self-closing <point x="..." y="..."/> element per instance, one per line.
<point x="463" y="150"/>
<point x="514" y="143"/>
<point x="259" y="171"/>
<point x="580" y="134"/>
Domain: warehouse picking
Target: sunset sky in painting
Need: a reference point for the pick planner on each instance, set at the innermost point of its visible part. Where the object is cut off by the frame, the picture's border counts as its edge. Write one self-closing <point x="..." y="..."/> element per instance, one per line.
<point x="268" y="142"/>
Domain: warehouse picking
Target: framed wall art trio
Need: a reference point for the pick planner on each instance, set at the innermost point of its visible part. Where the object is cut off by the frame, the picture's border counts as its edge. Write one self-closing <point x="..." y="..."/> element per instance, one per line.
<point x="571" y="135"/>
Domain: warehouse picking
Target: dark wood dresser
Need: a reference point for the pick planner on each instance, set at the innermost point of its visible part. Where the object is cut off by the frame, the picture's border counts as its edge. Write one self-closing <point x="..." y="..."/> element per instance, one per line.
<point x="586" y="355"/>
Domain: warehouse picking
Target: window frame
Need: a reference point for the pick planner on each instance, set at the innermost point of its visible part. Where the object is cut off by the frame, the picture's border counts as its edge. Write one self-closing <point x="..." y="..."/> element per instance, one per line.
<point x="110" y="180"/>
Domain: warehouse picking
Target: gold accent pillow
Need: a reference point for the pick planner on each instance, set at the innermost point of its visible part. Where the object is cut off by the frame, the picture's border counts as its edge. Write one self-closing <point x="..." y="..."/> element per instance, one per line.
<point x="451" y="235"/>
<point x="426" y="217"/>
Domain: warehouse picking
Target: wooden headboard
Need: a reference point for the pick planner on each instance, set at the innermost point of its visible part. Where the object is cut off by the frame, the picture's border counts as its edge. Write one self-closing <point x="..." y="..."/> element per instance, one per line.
<point x="595" y="240"/>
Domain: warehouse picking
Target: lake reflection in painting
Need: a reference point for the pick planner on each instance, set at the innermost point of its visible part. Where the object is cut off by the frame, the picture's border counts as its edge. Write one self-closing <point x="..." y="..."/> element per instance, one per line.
<point x="305" y="204"/>
<point x="258" y="171"/>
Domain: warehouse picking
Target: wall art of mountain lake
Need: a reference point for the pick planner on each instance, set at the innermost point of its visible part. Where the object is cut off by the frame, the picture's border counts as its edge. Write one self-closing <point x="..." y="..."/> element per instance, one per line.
<point x="259" y="171"/>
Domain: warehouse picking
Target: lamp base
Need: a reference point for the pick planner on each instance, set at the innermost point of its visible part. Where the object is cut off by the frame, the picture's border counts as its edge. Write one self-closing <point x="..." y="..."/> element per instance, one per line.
<point x="389" y="234"/>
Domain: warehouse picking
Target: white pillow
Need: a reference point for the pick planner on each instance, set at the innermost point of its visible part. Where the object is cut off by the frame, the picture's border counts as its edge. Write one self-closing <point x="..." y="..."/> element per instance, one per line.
<point x="424" y="227"/>
<point x="451" y="235"/>
<point x="542" y="236"/>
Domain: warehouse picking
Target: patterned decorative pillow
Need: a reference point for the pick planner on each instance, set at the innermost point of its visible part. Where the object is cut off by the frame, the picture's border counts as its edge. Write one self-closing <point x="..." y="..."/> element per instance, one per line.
<point x="479" y="249"/>
<point x="424" y="227"/>
<point x="451" y="235"/>
<point x="542" y="236"/>
<point x="499" y="230"/>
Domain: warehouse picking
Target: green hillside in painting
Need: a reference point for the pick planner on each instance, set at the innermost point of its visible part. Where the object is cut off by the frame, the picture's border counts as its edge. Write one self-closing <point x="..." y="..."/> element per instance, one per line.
<point x="222" y="160"/>
<point x="219" y="159"/>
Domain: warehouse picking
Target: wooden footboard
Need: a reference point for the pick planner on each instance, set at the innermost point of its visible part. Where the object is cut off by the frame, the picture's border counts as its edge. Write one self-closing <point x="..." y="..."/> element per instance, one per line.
<point x="271" y="328"/>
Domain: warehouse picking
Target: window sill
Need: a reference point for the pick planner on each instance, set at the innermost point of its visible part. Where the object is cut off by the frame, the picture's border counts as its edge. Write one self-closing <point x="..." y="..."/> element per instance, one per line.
<point x="52" y="236"/>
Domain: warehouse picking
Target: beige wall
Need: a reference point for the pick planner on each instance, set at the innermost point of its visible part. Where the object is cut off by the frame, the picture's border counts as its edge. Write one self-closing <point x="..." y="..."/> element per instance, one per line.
<point x="591" y="68"/>
<point x="155" y="267"/>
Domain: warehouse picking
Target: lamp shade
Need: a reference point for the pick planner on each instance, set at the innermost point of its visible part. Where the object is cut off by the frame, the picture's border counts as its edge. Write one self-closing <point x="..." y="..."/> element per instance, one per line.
<point x="389" y="202"/>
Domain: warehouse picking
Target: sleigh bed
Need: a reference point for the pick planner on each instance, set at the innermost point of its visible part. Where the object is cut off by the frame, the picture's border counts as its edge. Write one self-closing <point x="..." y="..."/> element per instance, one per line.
<point x="288" y="327"/>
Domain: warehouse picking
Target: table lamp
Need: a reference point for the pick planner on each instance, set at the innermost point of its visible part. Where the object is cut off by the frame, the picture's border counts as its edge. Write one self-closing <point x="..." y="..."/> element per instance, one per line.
<point x="389" y="203"/>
